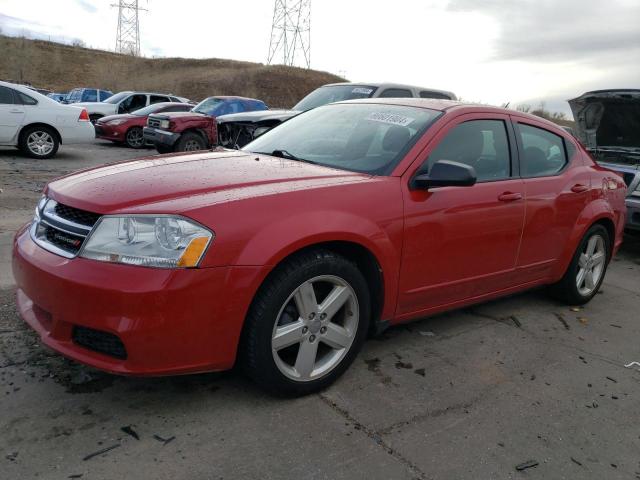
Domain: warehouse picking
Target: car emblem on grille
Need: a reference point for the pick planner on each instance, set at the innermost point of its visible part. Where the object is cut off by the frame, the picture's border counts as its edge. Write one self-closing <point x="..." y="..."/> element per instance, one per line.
<point x="70" y="241"/>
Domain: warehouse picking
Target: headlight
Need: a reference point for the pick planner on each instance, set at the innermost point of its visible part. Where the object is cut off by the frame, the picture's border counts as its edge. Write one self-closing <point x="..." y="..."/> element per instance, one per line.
<point x="117" y="121"/>
<point x="163" y="241"/>
<point x="164" y="124"/>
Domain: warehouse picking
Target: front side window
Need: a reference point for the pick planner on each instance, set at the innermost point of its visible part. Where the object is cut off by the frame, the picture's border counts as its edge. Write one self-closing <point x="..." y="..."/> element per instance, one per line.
<point x="396" y="93"/>
<point x="368" y="138"/>
<point x="90" y="95"/>
<point x="104" y="94"/>
<point x="543" y="152"/>
<point x="132" y="103"/>
<point x="481" y="144"/>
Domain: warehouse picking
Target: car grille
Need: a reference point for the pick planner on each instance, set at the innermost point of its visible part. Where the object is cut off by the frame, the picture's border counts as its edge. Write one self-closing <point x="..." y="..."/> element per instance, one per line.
<point x="76" y="215"/>
<point x="62" y="229"/>
<point x="153" y="122"/>
<point x="99" y="341"/>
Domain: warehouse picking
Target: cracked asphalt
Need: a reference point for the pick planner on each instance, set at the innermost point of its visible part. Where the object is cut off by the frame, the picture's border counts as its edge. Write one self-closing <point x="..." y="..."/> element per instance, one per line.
<point x="471" y="394"/>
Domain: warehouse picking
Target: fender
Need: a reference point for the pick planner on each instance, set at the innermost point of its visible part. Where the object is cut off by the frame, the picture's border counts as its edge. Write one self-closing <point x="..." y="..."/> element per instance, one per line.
<point x="593" y="212"/>
<point x="270" y="247"/>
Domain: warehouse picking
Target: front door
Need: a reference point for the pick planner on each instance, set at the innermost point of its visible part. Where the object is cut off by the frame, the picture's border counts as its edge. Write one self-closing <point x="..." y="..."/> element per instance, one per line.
<point x="462" y="242"/>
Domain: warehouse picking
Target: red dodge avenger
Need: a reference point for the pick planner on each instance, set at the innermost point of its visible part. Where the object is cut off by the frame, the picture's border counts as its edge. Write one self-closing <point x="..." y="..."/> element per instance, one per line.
<point x="284" y="256"/>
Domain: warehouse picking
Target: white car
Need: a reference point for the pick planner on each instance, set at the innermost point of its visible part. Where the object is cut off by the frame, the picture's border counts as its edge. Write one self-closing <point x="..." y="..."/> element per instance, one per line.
<point x="126" y="102"/>
<point x="37" y="124"/>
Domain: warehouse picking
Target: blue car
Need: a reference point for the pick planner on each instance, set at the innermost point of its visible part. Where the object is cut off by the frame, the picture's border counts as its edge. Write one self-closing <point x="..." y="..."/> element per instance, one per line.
<point x="58" y="97"/>
<point x="87" y="95"/>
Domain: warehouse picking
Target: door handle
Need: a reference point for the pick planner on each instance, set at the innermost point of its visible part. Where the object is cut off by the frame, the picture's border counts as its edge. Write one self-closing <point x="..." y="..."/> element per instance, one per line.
<point x="509" y="197"/>
<point x="16" y="111"/>
<point x="579" y="188"/>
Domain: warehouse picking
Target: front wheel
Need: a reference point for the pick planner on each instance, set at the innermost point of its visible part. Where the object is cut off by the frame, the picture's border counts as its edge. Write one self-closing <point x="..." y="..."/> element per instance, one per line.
<point x="190" y="142"/>
<point x="134" y="138"/>
<point x="586" y="271"/>
<point x="306" y="324"/>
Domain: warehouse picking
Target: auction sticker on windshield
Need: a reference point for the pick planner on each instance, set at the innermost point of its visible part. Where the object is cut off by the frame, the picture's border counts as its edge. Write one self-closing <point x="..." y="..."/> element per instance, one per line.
<point x="365" y="91"/>
<point x="391" y="118"/>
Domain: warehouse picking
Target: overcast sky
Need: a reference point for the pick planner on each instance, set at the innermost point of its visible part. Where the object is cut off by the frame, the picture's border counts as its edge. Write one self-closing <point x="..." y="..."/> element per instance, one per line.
<point x="493" y="51"/>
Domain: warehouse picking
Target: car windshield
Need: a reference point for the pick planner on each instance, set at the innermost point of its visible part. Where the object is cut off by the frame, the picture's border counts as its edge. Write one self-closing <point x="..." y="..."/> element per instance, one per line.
<point x="117" y="97"/>
<point x="361" y="137"/>
<point x="333" y="93"/>
<point x="208" y="105"/>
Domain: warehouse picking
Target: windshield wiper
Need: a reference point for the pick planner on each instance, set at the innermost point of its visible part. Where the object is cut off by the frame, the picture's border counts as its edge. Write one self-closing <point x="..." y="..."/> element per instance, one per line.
<point x="287" y="155"/>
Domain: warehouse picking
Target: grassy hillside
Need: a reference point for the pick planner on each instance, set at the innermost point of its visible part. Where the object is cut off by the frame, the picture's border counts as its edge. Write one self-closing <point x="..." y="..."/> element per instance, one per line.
<point x="61" y="67"/>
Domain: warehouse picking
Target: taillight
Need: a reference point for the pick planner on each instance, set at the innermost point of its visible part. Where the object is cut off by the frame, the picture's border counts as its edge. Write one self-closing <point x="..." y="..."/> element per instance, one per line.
<point x="84" y="116"/>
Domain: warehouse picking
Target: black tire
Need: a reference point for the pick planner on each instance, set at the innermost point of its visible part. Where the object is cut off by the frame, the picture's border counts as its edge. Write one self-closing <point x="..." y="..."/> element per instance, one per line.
<point x="93" y="118"/>
<point x="567" y="288"/>
<point x="163" y="149"/>
<point x="33" y="148"/>
<point x="190" y="142"/>
<point x="256" y="357"/>
<point x="134" y="138"/>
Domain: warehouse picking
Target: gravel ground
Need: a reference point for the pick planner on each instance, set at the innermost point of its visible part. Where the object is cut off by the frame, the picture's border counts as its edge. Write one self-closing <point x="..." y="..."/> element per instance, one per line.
<point x="471" y="394"/>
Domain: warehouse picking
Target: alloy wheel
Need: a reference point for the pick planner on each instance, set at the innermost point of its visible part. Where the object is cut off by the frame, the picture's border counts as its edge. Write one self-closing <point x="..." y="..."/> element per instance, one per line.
<point x="591" y="265"/>
<point x="192" y="145"/>
<point x="40" y="143"/>
<point x="315" y="328"/>
<point x="135" y="138"/>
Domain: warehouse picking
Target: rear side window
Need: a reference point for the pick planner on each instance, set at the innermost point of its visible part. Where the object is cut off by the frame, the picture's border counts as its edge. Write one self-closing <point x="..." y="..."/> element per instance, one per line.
<point x="543" y="152"/>
<point x="177" y="108"/>
<point x="158" y="99"/>
<point x="175" y="99"/>
<point x="6" y="96"/>
<point x="90" y="95"/>
<point x="26" y="99"/>
<point x="430" y="94"/>
<point x="481" y="144"/>
<point x="395" y="93"/>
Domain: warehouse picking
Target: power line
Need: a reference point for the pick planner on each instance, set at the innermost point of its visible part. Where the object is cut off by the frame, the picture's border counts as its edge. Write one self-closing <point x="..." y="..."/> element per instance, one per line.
<point x="128" y="33"/>
<point x="291" y="33"/>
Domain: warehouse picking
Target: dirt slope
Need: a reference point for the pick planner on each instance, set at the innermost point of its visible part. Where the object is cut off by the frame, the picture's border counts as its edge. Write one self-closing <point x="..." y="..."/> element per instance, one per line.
<point x="61" y="67"/>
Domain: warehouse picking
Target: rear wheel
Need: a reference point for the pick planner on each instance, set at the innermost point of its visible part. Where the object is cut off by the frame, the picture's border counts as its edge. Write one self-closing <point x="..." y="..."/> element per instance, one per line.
<point x="39" y="142"/>
<point x="585" y="274"/>
<point x="190" y="142"/>
<point x="134" y="138"/>
<point x="306" y="324"/>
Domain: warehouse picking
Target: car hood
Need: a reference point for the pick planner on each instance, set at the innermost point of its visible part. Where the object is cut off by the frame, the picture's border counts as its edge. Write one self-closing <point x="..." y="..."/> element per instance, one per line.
<point x="179" y="115"/>
<point x="122" y="116"/>
<point x="155" y="183"/>
<point x="608" y="119"/>
<point x="258" y="116"/>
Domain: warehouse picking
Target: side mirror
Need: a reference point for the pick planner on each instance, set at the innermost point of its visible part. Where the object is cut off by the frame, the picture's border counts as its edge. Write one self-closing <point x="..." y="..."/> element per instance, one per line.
<point x="445" y="173"/>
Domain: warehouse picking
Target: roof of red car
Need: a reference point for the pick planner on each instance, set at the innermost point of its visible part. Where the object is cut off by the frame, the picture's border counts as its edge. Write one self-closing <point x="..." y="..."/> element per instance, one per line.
<point x="447" y="105"/>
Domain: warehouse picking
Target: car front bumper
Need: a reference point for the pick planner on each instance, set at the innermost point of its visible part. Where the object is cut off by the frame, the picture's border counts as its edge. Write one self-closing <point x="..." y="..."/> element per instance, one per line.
<point x="108" y="132"/>
<point x="160" y="137"/>
<point x="633" y="212"/>
<point x="167" y="321"/>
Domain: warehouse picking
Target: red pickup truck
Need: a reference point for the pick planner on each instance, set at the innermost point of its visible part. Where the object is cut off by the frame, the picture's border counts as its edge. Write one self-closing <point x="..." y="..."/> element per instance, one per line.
<point x="194" y="130"/>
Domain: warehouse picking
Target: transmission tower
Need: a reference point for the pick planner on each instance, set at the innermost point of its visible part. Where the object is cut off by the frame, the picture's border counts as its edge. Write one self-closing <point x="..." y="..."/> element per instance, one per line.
<point x="291" y="33"/>
<point x="128" y="35"/>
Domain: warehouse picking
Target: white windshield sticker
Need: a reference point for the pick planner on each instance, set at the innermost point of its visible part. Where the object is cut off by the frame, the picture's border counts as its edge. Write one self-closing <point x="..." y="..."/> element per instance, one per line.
<point x="390" y="118"/>
<point x="365" y="91"/>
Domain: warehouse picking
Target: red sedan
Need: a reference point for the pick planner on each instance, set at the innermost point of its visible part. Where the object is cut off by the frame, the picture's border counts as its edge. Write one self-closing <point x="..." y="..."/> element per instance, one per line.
<point x="126" y="128"/>
<point x="283" y="257"/>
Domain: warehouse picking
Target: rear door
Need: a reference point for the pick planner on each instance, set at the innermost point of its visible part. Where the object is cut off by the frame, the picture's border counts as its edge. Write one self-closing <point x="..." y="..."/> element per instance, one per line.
<point x="462" y="242"/>
<point x="557" y="185"/>
<point x="11" y="115"/>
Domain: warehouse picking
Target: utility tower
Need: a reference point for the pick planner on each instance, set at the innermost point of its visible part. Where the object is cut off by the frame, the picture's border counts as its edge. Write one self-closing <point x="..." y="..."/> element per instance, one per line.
<point x="291" y="33"/>
<point x="128" y="35"/>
